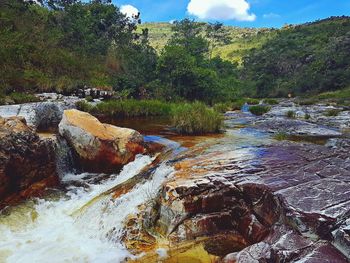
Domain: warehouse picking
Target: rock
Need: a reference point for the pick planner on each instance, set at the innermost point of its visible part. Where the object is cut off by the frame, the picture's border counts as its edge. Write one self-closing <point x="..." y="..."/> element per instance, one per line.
<point x="27" y="163"/>
<point x="296" y="127"/>
<point x="99" y="147"/>
<point x="44" y="115"/>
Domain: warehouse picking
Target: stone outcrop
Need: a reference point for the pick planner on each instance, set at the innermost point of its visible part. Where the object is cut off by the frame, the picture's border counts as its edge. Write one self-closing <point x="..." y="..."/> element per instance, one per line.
<point x="265" y="202"/>
<point x="44" y="115"/>
<point x="27" y="163"/>
<point x="99" y="147"/>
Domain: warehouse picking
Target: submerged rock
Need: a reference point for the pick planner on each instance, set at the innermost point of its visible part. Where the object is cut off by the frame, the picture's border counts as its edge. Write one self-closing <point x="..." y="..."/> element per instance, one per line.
<point x="99" y="147"/>
<point x="27" y="163"/>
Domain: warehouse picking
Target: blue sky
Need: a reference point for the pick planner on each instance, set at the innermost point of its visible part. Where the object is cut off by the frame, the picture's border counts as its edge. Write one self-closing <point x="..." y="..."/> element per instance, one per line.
<point x="247" y="13"/>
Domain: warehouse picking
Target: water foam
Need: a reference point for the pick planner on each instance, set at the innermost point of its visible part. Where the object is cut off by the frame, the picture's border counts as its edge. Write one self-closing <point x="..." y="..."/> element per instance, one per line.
<point x="54" y="235"/>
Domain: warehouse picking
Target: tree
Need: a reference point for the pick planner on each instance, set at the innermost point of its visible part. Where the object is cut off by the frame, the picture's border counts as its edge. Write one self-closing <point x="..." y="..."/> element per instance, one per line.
<point x="217" y="35"/>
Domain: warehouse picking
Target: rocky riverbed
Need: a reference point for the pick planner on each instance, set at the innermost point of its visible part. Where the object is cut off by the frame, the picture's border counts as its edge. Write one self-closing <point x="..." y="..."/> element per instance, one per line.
<point x="246" y="196"/>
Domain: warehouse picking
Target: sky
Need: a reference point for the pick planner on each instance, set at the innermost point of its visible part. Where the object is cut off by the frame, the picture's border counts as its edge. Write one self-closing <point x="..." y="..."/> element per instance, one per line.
<point x="245" y="13"/>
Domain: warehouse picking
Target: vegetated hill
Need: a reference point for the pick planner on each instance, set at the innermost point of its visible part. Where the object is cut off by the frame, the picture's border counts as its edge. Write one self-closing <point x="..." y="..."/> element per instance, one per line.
<point x="242" y="39"/>
<point x="302" y="59"/>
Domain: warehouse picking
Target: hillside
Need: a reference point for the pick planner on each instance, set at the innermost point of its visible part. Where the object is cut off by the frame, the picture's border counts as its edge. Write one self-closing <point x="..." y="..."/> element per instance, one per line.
<point x="302" y="59"/>
<point x="242" y="39"/>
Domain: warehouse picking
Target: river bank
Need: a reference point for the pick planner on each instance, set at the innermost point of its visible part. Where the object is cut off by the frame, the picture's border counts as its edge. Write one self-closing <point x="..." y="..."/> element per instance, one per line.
<point x="242" y="196"/>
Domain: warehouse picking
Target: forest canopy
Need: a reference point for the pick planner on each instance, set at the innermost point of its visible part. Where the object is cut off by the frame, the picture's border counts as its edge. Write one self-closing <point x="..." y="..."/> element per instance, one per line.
<point x="63" y="45"/>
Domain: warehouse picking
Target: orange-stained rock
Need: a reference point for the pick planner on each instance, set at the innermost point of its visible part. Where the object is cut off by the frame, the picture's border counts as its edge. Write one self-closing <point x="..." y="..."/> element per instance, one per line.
<point x="99" y="147"/>
<point x="27" y="163"/>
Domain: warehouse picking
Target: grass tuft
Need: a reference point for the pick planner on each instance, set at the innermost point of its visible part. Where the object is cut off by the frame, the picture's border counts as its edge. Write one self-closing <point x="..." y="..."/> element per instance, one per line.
<point x="196" y="118"/>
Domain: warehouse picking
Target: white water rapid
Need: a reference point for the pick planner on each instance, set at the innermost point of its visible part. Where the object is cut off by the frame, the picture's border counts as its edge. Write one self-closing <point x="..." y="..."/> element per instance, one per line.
<point x="58" y="230"/>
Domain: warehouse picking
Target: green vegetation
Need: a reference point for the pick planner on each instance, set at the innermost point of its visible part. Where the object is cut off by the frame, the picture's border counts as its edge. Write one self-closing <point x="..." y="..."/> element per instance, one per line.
<point x="187" y="118"/>
<point x="291" y="114"/>
<point x="302" y="59"/>
<point x="259" y="109"/>
<point x="308" y="102"/>
<point x="332" y="113"/>
<point x="339" y="94"/>
<point x="64" y="45"/>
<point x="196" y="118"/>
<point x="223" y="107"/>
<point x="128" y="108"/>
<point x="307" y="116"/>
<point x="281" y="136"/>
<point x="271" y="101"/>
<point x="17" y="98"/>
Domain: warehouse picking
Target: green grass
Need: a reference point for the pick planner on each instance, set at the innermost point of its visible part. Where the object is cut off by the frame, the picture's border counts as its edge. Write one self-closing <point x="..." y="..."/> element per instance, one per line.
<point x="20" y="98"/>
<point x="187" y="118"/>
<point x="290" y="114"/>
<point x="339" y="94"/>
<point x="259" y="109"/>
<point x="281" y="136"/>
<point x="332" y="113"/>
<point x="128" y="108"/>
<point x="307" y="102"/>
<point x="271" y="101"/>
<point x="223" y="107"/>
<point x="196" y="118"/>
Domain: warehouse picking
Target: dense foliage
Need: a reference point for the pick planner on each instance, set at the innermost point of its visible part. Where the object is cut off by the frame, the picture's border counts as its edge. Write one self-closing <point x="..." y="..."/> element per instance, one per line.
<point x="304" y="59"/>
<point x="63" y="45"/>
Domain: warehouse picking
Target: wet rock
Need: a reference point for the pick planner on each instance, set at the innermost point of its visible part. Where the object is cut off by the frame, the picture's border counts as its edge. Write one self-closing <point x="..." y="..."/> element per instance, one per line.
<point x="286" y="245"/>
<point x="296" y="127"/>
<point x="27" y="163"/>
<point x="40" y="115"/>
<point x="99" y="147"/>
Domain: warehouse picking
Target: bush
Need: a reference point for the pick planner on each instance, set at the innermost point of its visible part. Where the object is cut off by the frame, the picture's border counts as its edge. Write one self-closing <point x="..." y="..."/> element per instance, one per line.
<point x="259" y="109"/>
<point x="291" y="114"/>
<point x="20" y="98"/>
<point x="281" y="136"/>
<point x="85" y="106"/>
<point x="196" y="118"/>
<point x="332" y="113"/>
<point x="307" y="116"/>
<point x="222" y="107"/>
<point x="271" y="101"/>
<point x="252" y="101"/>
<point x="307" y="102"/>
<point x="128" y="108"/>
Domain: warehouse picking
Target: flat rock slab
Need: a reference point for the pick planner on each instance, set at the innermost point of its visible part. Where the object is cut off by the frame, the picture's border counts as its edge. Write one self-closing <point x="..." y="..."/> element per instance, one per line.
<point x="296" y="127"/>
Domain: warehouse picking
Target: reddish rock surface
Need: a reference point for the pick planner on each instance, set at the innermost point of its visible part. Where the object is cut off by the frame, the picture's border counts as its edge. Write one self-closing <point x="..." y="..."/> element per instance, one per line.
<point x="27" y="163"/>
<point x="283" y="202"/>
<point x="99" y="147"/>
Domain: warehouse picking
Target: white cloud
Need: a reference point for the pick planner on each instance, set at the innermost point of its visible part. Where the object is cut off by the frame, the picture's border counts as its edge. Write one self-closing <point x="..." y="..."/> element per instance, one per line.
<point x="129" y="10"/>
<point x="221" y="10"/>
<point x="271" y="15"/>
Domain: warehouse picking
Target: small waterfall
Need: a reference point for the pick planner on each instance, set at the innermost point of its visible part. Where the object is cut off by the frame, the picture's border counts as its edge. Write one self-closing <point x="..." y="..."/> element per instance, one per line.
<point x="64" y="158"/>
<point x="58" y="230"/>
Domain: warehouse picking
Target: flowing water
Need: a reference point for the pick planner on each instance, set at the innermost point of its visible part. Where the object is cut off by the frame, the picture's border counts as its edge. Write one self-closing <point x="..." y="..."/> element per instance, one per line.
<point x="84" y="222"/>
<point x="51" y="230"/>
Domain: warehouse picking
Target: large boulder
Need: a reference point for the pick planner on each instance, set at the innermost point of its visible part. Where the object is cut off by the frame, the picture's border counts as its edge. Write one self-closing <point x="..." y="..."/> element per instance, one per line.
<point x="27" y="163"/>
<point x="99" y="147"/>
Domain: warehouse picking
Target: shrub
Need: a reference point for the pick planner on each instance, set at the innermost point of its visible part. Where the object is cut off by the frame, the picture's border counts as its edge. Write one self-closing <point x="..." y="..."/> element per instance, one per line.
<point x="20" y="98"/>
<point x="259" y="109"/>
<point x="307" y="116"/>
<point x="196" y="118"/>
<point x="307" y="102"/>
<point x="271" y="101"/>
<point x="85" y="106"/>
<point x="281" y="136"/>
<point x="128" y="108"/>
<point x="252" y="101"/>
<point x="291" y="114"/>
<point x="222" y="107"/>
<point x="332" y="113"/>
